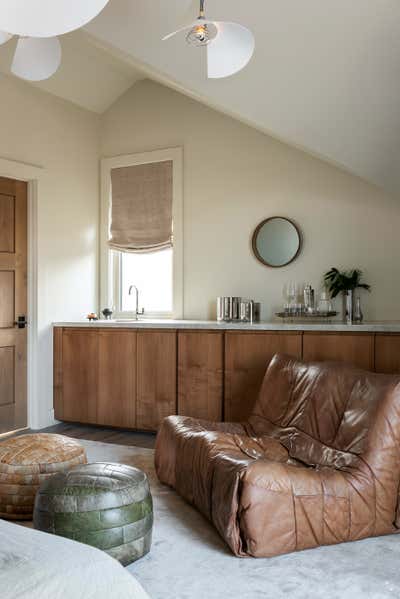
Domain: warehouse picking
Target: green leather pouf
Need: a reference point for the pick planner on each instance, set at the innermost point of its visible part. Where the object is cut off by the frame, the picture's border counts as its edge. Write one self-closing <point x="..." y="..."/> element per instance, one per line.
<point x="108" y="506"/>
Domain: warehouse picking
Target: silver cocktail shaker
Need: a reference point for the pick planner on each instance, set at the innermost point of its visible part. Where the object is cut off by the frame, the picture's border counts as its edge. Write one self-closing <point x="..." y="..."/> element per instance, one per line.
<point x="228" y="308"/>
<point x="236" y="309"/>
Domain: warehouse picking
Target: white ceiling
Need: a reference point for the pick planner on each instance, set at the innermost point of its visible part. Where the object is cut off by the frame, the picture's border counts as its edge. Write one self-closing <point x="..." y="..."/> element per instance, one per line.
<point x="89" y="76"/>
<point x="325" y="75"/>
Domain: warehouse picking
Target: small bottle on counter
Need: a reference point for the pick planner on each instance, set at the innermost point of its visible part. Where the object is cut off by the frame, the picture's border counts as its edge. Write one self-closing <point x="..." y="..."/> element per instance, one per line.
<point x="324" y="304"/>
<point x="358" y="315"/>
<point x="309" y="299"/>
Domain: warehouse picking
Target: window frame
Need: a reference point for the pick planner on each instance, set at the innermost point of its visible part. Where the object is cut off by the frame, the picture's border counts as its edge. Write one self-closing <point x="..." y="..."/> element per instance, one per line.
<point x="110" y="261"/>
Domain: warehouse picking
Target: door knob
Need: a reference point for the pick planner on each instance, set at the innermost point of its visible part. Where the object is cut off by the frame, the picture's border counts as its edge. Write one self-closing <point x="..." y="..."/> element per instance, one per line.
<point x="21" y="322"/>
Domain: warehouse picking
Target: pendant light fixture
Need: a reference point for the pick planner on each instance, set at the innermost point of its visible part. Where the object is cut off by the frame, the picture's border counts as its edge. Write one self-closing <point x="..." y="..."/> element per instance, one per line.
<point x="47" y="18"/>
<point x="230" y="46"/>
<point x="36" y="58"/>
<point x="38" y="22"/>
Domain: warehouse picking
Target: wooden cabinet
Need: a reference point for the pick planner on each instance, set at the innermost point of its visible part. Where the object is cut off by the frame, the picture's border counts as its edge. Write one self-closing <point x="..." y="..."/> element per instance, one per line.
<point x="200" y="374"/>
<point x="353" y="348"/>
<point x="79" y="383"/>
<point x="156" y="377"/>
<point x="116" y="398"/>
<point x="95" y="376"/>
<point x="387" y="353"/>
<point x="133" y="378"/>
<point x="247" y="356"/>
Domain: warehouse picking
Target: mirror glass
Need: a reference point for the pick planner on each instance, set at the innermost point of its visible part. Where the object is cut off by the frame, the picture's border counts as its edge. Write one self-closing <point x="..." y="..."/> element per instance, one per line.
<point x="276" y="241"/>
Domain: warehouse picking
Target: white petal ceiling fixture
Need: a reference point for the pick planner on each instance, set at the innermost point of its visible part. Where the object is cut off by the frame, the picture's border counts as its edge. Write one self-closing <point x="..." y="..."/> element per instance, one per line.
<point x="36" y="59"/>
<point x="38" y="22"/>
<point x="230" y="46"/>
<point x="47" y="18"/>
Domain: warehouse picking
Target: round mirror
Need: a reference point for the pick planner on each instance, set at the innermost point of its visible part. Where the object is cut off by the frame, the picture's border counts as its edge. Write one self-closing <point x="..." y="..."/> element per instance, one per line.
<point x="276" y="241"/>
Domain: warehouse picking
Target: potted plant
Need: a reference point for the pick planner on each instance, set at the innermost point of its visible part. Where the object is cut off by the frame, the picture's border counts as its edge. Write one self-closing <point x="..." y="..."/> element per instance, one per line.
<point x="345" y="281"/>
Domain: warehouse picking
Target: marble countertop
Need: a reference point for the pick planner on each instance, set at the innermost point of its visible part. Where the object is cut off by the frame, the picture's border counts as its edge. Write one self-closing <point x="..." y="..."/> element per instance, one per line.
<point x="365" y="327"/>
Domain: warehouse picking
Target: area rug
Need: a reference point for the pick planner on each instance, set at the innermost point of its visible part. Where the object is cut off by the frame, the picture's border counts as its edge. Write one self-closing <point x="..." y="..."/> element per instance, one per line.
<point x="188" y="560"/>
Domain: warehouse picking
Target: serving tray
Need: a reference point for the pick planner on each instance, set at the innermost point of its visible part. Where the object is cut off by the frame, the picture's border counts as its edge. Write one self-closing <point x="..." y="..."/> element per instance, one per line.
<point x="306" y="315"/>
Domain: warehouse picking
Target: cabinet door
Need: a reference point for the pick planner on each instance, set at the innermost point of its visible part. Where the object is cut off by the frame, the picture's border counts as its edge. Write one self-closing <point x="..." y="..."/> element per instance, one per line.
<point x="387" y="354"/>
<point x="247" y="356"/>
<point x="352" y="348"/>
<point x="79" y="376"/>
<point x="156" y="378"/>
<point x="200" y="375"/>
<point x="116" y="401"/>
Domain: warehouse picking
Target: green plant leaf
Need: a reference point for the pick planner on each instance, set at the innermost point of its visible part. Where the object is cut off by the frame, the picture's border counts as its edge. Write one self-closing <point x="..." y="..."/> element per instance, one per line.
<point x="338" y="281"/>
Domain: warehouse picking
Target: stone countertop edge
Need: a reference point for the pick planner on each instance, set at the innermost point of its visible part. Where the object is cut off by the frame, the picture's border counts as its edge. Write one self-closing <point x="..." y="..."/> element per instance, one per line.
<point x="365" y="327"/>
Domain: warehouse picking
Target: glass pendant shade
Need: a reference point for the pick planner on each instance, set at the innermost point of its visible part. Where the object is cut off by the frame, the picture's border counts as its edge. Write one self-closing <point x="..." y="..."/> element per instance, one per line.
<point x="230" y="46"/>
<point x="47" y="18"/>
<point x="202" y="34"/>
<point x="36" y="59"/>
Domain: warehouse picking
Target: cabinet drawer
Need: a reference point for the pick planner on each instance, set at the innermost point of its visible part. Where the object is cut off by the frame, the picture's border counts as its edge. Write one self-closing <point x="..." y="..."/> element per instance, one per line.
<point x="200" y="374"/>
<point x="116" y="400"/>
<point x="156" y="378"/>
<point x="353" y="348"/>
<point x="79" y="376"/>
<point x="247" y="356"/>
<point x="387" y="353"/>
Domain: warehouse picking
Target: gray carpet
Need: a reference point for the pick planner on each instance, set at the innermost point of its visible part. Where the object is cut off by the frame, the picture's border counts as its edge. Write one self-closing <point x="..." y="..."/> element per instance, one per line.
<point x="188" y="559"/>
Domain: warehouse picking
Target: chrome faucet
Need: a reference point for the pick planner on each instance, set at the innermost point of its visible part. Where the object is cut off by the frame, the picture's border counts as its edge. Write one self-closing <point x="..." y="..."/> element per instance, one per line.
<point x="137" y="311"/>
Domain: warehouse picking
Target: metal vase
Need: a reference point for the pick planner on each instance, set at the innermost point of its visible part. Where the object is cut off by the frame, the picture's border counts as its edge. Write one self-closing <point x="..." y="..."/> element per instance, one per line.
<point x="348" y="308"/>
<point x="358" y="315"/>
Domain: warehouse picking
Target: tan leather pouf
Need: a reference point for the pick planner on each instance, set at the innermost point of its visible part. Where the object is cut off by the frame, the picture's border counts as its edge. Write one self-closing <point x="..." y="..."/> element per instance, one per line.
<point x="28" y="460"/>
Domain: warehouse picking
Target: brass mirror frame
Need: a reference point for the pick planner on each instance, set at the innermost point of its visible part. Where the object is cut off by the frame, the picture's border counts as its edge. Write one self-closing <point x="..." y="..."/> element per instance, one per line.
<point x="254" y="241"/>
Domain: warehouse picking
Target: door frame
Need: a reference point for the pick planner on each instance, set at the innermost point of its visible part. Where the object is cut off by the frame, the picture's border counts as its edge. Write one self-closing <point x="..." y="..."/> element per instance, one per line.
<point x="34" y="176"/>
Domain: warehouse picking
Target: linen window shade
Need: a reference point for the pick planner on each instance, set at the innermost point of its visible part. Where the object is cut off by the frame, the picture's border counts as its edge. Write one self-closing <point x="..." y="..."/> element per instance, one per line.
<point x="141" y="207"/>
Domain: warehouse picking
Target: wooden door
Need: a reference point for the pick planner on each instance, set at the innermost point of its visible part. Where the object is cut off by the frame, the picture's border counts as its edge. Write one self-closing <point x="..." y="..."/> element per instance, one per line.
<point x="79" y="372"/>
<point x="387" y="353"/>
<point x="353" y="348"/>
<point x="200" y="374"/>
<point x="247" y="356"/>
<point x="13" y="304"/>
<point x="156" y="378"/>
<point x="116" y="400"/>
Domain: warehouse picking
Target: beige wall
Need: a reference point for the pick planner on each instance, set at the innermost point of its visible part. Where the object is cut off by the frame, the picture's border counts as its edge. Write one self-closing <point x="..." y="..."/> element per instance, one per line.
<point x="39" y="129"/>
<point x="233" y="178"/>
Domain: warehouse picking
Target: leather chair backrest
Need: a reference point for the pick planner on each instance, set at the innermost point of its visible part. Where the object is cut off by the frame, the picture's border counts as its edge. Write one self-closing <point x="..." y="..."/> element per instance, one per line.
<point x="312" y="407"/>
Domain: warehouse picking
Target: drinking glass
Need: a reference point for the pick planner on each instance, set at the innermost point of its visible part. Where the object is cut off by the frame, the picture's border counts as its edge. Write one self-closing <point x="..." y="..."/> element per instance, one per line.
<point x="292" y="293"/>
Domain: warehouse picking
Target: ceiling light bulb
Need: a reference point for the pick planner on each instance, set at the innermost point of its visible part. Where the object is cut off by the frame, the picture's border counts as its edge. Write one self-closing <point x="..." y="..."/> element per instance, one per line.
<point x="202" y="34"/>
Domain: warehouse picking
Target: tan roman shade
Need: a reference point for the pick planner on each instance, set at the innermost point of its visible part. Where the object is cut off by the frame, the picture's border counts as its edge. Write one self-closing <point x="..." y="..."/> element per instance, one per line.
<point x="141" y="207"/>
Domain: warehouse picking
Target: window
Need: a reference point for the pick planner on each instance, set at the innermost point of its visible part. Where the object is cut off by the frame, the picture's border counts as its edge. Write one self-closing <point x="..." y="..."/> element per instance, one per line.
<point x="157" y="273"/>
<point x="153" y="276"/>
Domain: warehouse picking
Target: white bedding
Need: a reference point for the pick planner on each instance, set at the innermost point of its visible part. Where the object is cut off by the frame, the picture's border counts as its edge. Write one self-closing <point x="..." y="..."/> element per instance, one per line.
<point x="36" y="565"/>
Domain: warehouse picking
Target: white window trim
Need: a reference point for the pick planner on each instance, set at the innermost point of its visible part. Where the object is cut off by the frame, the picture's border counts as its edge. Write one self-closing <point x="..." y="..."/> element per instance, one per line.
<point x="107" y="264"/>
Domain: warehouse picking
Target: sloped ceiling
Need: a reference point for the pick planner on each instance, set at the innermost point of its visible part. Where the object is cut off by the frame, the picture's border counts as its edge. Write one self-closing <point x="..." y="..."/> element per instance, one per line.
<point x="325" y="76"/>
<point x="88" y="76"/>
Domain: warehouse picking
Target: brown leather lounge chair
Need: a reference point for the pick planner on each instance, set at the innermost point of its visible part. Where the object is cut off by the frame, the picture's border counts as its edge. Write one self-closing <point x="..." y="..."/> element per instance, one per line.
<point x="318" y="461"/>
